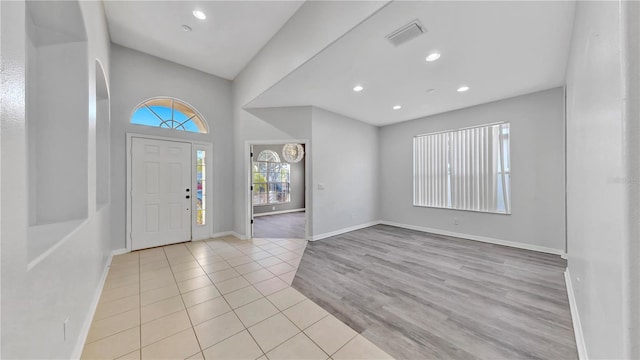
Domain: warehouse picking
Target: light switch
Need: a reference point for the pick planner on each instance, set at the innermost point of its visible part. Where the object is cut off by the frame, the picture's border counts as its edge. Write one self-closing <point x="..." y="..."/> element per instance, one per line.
<point x="320" y="186"/>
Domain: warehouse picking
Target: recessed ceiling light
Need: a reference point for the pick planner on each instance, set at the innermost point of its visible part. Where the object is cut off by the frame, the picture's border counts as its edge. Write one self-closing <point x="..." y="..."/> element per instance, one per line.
<point x="463" y="88"/>
<point x="397" y="107"/>
<point x="186" y="28"/>
<point x="199" y="14"/>
<point x="429" y="91"/>
<point x="433" y="56"/>
<point x="358" y="88"/>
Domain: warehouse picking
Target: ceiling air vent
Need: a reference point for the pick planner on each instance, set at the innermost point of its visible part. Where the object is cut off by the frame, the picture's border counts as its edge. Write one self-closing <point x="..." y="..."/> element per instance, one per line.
<point x="406" y="33"/>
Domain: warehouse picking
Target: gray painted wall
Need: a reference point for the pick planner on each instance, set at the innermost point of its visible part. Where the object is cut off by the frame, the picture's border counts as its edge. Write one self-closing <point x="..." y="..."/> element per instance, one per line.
<point x="302" y="37"/>
<point x="345" y="164"/>
<point x="137" y="77"/>
<point x="537" y="176"/>
<point x="602" y="182"/>
<point x="296" y="185"/>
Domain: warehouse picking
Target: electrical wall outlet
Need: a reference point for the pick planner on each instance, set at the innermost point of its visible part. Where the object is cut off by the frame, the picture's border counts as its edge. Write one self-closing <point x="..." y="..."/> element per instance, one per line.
<point x="455" y="221"/>
<point x="273" y="208"/>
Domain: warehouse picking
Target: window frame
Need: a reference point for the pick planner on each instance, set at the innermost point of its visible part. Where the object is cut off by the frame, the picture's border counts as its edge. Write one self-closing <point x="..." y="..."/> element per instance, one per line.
<point x="202" y="124"/>
<point x="268" y="184"/>
<point x="506" y="145"/>
<point x="201" y="193"/>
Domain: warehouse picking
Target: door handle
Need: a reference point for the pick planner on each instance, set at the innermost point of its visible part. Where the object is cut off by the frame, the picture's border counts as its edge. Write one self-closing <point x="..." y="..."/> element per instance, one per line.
<point x="188" y="197"/>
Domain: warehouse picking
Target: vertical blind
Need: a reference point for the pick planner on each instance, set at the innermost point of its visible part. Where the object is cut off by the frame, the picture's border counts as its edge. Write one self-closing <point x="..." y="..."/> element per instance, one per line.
<point x="466" y="169"/>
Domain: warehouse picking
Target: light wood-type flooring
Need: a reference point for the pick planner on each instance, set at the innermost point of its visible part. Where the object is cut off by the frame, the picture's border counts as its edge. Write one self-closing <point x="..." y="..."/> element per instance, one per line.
<point x="290" y="225"/>
<point x="423" y="296"/>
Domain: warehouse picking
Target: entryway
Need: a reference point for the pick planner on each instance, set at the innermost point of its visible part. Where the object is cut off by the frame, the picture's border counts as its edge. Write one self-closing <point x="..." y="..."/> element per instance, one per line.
<point x="167" y="187"/>
<point x="278" y="190"/>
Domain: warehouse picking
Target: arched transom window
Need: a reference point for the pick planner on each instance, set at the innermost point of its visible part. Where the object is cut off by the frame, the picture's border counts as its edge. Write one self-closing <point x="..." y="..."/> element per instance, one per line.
<point x="169" y="113"/>
<point x="268" y="155"/>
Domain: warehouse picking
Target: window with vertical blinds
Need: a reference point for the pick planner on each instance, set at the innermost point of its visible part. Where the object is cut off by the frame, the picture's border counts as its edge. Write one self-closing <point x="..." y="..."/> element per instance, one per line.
<point x="465" y="169"/>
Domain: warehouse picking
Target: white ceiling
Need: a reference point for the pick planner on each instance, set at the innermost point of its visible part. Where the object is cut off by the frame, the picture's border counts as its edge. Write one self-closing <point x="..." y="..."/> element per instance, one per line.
<point x="222" y="45"/>
<point x="499" y="49"/>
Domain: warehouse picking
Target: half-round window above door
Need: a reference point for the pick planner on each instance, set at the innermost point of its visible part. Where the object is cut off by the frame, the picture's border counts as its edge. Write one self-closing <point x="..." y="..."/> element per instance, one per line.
<point x="169" y="113"/>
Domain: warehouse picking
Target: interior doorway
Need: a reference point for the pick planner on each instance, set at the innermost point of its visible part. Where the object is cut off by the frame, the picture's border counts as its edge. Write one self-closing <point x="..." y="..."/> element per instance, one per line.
<point x="278" y="191"/>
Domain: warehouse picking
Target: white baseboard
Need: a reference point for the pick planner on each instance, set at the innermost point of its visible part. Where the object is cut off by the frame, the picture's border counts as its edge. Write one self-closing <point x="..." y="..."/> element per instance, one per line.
<point x="117" y="252"/>
<point x="279" y="212"/>
<point x="228" y="233"/>
<point x="344" y="230"/>
<point x="575" y="317"/>
<point x="241" y="237"/>
<point x="84" y="331"/>
<point x="221" y="234"/>
<point x="477" y="238"/>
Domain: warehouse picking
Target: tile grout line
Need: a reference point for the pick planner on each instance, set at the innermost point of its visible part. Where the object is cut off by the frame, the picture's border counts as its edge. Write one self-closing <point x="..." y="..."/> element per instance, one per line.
<point x="294" y="324"/>
<point x="279" y="312"/>
<point x="230" y="307"/>
<point x="277" y="346"/>
<point x="247" y="328"/>
<point x="200" y="266"/>
<point x="141" y="323"/>
<point x="138" y="265"/>
<point x="350" y="340"/>
<point x="183" y="303"/>
<point x="236" y="314"/>
<point x="162" y="317"/>
<point x="93" y="320"/>
<point x="302" y="331"/>
<point x="110" y="335"/>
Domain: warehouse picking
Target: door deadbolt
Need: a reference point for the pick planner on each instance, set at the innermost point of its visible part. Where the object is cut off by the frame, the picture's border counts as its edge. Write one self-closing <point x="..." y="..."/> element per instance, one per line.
<point x="188" y="197"/>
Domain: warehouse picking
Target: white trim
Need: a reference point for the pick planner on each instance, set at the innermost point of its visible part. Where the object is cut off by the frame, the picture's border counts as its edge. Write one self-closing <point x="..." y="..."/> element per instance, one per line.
<point x="575" y="317"/>
<point x="344" y="230"/>
<point x="226" y="233"/>
<point x="221" y="234"/>
<point x="204" y="121"/>
<point x="241" y="237"/>
<point x="477" y="238"/>
<point x="84" y="331"/>
<point x="248" y="147"/>
<point x="279" y="212"/>
<point x="460" y="129"/>
<point x="118" y="252"/>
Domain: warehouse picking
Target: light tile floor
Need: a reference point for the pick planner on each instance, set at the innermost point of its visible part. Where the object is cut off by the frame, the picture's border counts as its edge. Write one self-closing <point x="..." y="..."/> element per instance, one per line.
<point x="221" y="298"/>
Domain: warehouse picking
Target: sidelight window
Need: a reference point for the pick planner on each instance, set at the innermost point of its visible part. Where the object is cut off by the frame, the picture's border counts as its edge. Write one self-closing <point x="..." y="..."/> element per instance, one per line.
<point x="201" y="187"/>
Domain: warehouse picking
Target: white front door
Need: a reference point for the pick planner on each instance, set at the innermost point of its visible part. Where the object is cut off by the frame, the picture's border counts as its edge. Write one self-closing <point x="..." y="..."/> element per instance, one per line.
<point x="160" y="192"/>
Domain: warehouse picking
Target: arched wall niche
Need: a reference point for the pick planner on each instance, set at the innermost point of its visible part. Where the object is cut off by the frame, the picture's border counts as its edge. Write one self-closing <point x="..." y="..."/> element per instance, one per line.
<point x="103" y="122"/>
<point x="57" y="99"/>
